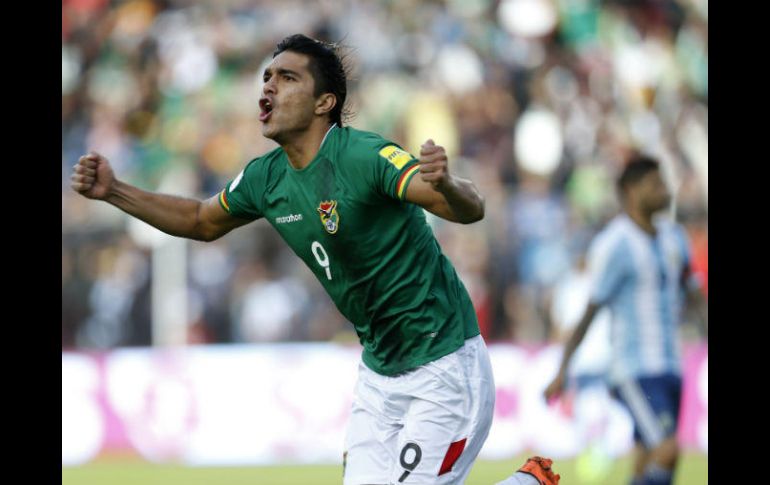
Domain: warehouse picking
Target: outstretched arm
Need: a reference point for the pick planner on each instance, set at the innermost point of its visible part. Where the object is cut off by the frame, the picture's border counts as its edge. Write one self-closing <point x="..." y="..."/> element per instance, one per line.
<point x="193" y="219"/>
<point x="437" y="191"/>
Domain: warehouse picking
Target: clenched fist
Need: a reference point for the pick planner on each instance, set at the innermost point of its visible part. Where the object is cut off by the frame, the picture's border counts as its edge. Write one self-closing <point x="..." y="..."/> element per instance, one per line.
<point x="434" y="167"/>
<point x="92" y="176"/>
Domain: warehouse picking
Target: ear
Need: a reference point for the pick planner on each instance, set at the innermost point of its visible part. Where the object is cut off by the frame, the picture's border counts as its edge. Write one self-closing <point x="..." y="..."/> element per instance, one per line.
<point x="325" y="103"/>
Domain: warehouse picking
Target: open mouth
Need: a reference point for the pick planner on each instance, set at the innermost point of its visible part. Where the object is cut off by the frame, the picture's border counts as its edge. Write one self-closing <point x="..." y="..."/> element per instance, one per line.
<point x="266" y="109"/>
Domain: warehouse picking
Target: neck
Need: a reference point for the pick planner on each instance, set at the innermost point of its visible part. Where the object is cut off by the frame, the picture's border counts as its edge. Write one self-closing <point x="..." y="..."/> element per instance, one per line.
<point x="642" y="219"/>
<point x="302" y="148"/>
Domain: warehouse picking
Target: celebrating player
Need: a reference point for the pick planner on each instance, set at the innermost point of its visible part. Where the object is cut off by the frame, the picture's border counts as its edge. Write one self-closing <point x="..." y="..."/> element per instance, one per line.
<point x="349" y="204"/>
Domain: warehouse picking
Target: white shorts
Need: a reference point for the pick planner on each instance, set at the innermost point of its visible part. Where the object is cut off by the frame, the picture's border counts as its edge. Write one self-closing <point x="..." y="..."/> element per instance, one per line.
<point x="425" y="426"/>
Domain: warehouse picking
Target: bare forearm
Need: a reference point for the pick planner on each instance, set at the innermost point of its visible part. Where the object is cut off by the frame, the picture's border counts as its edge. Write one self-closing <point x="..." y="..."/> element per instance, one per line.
<point x="173" y="215"/>
<point x="577" y="336"/>
<point x="570" y="347"/>
<point x="464" y="200"/>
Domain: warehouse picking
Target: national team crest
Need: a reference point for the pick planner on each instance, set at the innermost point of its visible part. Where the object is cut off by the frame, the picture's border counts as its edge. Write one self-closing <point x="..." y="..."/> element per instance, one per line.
<point x="329" y="216"/>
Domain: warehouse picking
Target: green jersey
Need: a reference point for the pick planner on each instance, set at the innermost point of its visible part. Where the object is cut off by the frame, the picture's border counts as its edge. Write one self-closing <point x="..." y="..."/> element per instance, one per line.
<point x="345" y="215"/>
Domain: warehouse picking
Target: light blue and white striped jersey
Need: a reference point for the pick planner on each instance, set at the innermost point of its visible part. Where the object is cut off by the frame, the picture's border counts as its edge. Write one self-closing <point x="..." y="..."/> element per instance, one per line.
<point x="639" y="277"/>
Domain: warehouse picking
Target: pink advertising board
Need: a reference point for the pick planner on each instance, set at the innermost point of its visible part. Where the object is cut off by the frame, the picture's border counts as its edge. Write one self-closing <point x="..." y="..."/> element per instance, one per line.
<point x="289" y="403"/>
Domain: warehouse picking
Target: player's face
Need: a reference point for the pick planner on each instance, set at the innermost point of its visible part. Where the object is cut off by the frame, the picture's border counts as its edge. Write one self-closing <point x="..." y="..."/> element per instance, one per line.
<point x="287" y="104"/>
<point x="653" y="192"/>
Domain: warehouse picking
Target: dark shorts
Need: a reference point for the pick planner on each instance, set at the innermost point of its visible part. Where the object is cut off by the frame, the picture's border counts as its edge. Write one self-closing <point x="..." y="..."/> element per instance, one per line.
<point x="653" y="402"/>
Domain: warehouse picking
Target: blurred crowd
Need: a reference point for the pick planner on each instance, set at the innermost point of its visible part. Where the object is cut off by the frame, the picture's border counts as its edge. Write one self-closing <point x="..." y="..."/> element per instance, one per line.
<point x="537" y="101"/>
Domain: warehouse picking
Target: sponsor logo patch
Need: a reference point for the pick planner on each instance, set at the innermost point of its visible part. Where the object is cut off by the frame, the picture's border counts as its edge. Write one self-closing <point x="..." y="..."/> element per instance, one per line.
<point x="396" y="156"/>
<point x="288" y="219"/>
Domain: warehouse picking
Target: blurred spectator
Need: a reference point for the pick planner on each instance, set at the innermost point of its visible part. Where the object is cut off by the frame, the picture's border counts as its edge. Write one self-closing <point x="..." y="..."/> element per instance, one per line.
<point x="536" y="101"/>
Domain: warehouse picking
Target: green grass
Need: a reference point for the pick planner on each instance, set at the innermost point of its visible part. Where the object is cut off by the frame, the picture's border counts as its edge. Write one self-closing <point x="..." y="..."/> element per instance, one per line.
<point x="693" y="470"/>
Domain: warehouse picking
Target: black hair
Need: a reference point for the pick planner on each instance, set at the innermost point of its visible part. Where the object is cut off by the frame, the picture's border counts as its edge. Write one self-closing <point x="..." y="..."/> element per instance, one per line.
<point x="637" y="167"/>
<point x="326" y="66"/>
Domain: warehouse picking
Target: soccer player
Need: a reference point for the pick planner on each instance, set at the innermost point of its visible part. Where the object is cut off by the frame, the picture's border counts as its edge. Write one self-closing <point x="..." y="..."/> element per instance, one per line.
<point x="349" y="204"/>
<point x="639" y="266"/>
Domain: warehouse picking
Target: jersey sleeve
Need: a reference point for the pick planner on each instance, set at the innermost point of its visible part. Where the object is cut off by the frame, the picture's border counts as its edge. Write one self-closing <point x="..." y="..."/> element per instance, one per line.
<point x="388" y="168"/>
<point x="242" y="196"/>
<point x="395" y="169"/>
<point x="607" y="269"/>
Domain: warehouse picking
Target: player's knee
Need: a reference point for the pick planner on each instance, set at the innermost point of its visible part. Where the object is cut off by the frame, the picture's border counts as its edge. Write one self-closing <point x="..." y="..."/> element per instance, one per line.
<point x="667" y="453"/>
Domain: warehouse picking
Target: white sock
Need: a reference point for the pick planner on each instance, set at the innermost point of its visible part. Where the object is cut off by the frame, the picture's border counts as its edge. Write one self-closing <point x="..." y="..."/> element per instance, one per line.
<point x="520" y="478"/>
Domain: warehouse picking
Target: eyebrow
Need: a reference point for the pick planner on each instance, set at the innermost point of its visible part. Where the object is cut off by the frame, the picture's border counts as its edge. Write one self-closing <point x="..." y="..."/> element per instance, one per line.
<point x="282" y="70"/>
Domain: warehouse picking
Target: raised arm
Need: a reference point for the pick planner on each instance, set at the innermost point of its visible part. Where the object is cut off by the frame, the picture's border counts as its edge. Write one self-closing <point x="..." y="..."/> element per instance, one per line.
<point x="437" y="191"/>
<point x="193" y="219"/>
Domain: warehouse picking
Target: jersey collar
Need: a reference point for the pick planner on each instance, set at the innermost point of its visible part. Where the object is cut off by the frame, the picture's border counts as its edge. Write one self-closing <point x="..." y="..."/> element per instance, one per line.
<point x="327" y="134"/>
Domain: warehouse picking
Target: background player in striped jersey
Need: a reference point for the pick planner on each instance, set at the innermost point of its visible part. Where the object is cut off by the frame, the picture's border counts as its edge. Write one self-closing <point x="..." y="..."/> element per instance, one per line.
<point x="639" y="266"/>
<point x="349" y="203"/>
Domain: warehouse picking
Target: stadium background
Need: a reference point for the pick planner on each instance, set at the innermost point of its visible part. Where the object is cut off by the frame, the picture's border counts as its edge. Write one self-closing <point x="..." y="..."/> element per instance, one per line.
<point x="537" y="101"/>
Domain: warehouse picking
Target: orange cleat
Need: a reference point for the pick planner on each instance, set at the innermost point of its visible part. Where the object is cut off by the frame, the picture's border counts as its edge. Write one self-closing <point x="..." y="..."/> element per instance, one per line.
<point x="540" y="468"/>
